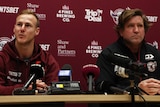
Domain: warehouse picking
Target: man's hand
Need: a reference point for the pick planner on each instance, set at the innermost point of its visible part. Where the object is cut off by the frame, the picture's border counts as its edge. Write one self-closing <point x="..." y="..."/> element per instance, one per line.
<point x="40" y="85"/>
<point x="150" y="86"/>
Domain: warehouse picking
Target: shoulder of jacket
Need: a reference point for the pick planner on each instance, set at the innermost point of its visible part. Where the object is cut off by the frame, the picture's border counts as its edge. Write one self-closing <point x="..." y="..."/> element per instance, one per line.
<point x="150" y="46"/>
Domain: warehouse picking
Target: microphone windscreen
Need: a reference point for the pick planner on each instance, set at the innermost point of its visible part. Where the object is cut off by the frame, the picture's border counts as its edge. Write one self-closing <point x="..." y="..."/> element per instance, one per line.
<point x="120" y="60"/>
<point x="65" y="73"/>
<point x="121" y="71"/>
<point x="90" y="69"/>
<point x="66" y="67"/>
<point x="37" y="69"/>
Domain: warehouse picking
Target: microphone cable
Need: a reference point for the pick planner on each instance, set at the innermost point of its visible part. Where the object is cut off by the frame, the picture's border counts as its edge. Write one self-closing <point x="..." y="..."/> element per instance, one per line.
<point x="140" y="94"/>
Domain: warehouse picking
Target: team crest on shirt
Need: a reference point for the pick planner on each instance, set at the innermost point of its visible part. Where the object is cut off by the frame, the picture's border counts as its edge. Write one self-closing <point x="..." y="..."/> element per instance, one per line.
<point x="151" y="64"/>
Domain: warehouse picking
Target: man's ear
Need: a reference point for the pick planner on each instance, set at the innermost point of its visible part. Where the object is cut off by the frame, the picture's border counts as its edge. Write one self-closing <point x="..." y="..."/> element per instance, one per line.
<point x="37" y="31"/>
<point x="121" y="32"/>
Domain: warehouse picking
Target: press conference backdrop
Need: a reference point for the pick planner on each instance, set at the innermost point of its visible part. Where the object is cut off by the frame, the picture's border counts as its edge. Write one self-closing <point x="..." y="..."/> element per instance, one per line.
<point x="76" y="31"/>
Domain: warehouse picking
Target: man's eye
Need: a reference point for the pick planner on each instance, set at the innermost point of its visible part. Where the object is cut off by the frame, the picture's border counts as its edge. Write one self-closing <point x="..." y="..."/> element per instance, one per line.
<point x="28" y="25"/>
<point x="130" y="25"/>
<point x="140" y="25"/>
<point x="18" y="24"/>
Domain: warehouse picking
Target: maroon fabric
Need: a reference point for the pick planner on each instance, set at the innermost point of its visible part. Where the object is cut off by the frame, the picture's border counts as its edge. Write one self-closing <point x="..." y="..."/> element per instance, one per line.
<point x="14" y="71"/>
<point x="76" y="39"/>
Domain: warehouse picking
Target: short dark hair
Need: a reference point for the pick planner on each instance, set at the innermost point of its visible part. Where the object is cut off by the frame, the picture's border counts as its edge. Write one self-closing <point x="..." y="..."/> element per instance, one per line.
<point x="126" y="15"/>
<point x="28" y="11"/>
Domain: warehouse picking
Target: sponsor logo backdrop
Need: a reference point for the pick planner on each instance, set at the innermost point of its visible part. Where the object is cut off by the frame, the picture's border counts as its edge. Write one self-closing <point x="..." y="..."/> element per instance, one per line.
<point x="76" y="31"/>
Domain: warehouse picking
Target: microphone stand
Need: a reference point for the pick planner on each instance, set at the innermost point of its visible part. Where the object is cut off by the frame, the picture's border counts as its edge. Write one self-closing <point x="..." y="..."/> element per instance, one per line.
<point x="24" y="91"/>
<point x="132" y="92"/>
<point x="133" y="86"/>
<point x="90" y="83"/>
<point x="34" y="86"/>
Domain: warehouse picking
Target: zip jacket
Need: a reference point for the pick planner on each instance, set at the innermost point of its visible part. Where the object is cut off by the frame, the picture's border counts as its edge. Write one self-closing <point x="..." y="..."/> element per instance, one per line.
<point x="15" y="71"/>
<point x="147" y="55"/>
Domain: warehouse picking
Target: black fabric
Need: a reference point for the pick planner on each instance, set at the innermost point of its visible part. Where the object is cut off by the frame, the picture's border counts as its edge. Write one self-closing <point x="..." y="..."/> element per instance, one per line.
<point x="108" y="74"/>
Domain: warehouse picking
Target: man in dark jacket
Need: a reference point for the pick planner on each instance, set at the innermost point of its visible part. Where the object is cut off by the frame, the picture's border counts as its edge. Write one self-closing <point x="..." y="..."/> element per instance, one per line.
<point x="18" y="55"/>
<point x="141" y="64"/>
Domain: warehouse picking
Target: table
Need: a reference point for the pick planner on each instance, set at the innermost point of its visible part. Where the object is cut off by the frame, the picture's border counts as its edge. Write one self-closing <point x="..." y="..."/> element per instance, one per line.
<point x="28" y="99"/>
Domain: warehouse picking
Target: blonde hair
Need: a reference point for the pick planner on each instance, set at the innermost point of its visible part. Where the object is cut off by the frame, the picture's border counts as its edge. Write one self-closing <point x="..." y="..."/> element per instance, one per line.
<point x="28" y="11"/>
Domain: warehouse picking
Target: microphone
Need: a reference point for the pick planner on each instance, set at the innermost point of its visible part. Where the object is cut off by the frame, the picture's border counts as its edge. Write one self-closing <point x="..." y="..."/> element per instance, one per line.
<point x="125" y="73"/>
<point x="36" y="71"/>
<point x="121" y="71"/>
<point x="65" y="74"/>
<point x="65" y="85"/>
<point x="126" y="62"/>
<point x="110" y="88"/>
<point x="117" y="90"/>
<point x="90" y="72"/>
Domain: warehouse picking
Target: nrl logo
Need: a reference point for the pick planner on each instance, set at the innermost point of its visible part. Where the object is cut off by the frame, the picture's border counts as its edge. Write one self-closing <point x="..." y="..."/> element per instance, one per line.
<point x="115" y="14"/>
